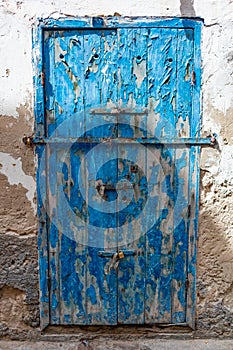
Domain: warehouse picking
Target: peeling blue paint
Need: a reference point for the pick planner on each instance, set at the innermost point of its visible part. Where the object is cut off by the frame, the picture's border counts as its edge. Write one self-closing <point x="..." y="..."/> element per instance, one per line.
<point x="144" y="65"/>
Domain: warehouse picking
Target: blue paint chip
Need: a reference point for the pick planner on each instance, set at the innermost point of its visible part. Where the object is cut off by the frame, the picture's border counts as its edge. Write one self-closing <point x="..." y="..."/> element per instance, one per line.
<point x="97" y="22"/>
<point x="91" y="293"/>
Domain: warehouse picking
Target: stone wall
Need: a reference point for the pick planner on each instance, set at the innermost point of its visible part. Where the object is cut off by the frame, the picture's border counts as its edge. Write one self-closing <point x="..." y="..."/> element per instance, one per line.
<point x="18" y="223"/>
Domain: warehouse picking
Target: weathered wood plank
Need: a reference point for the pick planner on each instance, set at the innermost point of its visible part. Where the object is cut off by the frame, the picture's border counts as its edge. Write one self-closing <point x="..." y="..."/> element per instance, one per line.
<point x="78" y="228"/>
<point x="161" y="93"/>
<point x="194" y="180"/>
<point x="49" y="157"/>
<point x="53" y="234"/>
<point x="131" y="270"/>
<point x="185" y="76"/>
<point x="68" y="87"/>
<point x="180" y="235"/>
<point x="43" y="238"/>
<point x="60" y="109"/>
<point x="71" y="285"/>
<point x="186" y="79"/>
<point x="132" y="170"/>
<point x="100" y="59"/>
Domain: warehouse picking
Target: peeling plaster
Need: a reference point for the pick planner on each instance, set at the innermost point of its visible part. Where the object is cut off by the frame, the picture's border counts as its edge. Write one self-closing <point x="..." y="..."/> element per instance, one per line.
<point x="12" y="169"/>
<point x="226" y="166"/>
<point x="218" y="68"/>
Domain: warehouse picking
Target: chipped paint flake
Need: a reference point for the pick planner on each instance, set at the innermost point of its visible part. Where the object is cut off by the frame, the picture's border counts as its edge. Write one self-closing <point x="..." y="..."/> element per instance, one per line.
<point x="139" y="70"/>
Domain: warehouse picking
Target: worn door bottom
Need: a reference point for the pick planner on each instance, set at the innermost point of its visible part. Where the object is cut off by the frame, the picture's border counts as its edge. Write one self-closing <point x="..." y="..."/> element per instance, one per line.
<point x="124" y="331"/>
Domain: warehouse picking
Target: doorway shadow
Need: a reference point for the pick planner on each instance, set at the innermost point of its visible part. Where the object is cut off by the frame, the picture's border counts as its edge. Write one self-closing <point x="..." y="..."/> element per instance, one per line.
<point x="187" y="8"/>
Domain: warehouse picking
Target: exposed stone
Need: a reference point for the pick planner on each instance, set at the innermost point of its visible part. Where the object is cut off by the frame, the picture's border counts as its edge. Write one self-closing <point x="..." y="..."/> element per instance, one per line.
<point x="19" y="285"/>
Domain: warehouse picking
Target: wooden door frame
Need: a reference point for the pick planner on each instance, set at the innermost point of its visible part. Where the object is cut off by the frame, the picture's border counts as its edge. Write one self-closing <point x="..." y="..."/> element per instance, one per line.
<point x="39" y="110"/>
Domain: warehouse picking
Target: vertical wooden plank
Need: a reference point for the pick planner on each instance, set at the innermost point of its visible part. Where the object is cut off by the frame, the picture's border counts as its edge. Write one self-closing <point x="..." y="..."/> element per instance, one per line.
<point x="153" y="235"/>
<point x="101" y="280"/>
<point x="131" y="237"/>
<point x="71" y="256"/>
<point x="68" y="87"/>
<point x="185" y="82"/>
<point x="49" y="81"/>
<point x="53" y="234"/>
<point x="161" y="94"/>
<point x="38" y="59"/>
<point x="73" y="62"/>
<point x="51" y="173"/>
<point x="161" y="86"/>
<point x="101" y="91"/>
<point x="159" y="237"/>
<point x="194" y="180"/>
<point x="180" y="236"/>
<point x="78" y="204"/>
<point x="182" y="182"/>
<point x="67" y="282"/>
<point x="69" y="57"/>
<point x="132" y="174"/>
<point x="132" y="84"/>
<point x="72" y="238"/>
<point x="43" y="238"/>
<point x="196" y="121"/>
<point x="153" y="239"/>
<point x="194" y="176"/>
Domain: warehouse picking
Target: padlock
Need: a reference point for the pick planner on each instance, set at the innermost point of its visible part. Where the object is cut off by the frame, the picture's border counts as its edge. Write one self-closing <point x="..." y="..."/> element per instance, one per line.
<point x="121" y="255"/>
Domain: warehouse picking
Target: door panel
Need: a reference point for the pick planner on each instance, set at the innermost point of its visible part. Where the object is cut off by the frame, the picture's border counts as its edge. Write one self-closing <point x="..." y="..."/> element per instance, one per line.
<point x="107" y="192"/>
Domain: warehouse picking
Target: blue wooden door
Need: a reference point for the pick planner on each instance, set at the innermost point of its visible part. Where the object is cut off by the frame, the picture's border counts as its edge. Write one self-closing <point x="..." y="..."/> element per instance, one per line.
<point x="120" y="181"/>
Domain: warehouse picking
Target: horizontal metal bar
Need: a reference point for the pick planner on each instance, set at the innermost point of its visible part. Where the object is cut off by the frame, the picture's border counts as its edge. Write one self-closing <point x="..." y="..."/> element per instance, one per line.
<point x="150" y="141"/>
<point x="104" y="254"/>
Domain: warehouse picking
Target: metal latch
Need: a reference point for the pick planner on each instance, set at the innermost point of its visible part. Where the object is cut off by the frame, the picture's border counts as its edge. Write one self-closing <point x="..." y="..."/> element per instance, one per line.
<point x="115" y="258"/>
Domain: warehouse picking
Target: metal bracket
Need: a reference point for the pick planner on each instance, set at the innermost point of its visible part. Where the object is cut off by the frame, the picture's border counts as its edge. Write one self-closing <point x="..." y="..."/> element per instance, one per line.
<point x="29" y="141"/>
<point x="213" y="139"/>
<point x="104" y="254"/>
